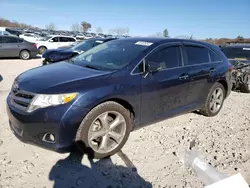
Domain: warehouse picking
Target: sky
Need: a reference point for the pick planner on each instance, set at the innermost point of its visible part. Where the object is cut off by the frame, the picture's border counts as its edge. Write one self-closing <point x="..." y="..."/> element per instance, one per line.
<point x="200" y="18"/>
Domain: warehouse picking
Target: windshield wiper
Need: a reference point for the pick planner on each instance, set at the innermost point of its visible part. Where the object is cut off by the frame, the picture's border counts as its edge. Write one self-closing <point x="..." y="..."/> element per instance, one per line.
<point x="91" y="67"/>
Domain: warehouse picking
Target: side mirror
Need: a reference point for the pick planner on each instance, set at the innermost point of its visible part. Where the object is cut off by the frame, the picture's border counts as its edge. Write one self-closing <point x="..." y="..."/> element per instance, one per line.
<point x="50" y="40"/>
<point x="1" y="78"/>
<point x="153" y="67"/>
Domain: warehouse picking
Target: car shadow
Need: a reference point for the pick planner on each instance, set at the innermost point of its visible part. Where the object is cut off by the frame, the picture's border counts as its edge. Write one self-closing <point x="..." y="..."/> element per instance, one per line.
<point x="72" y="172"/>
<point x="17" y="58"/>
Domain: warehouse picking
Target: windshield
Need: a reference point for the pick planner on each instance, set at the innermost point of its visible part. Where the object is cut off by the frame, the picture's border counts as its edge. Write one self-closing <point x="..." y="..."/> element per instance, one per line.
<point x="232" y="53"/>
<point x="112" y="55"/>
<point x="84" y="46"/>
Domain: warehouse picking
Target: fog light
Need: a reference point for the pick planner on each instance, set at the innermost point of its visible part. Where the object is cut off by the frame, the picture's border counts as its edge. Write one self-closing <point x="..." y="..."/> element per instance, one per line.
<point x="49" y="137"/>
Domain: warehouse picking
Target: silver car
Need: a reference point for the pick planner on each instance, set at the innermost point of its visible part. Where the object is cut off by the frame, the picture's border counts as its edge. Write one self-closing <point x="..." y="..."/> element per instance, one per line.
<point x="11" y="46"/>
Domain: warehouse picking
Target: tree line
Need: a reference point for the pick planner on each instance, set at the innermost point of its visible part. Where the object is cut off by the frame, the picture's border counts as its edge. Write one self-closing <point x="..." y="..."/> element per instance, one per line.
<point x="86" y="27"/>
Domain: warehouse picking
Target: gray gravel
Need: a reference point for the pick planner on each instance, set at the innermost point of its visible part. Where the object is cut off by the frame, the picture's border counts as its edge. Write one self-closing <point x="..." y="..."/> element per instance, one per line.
<point x="149" y="159"/>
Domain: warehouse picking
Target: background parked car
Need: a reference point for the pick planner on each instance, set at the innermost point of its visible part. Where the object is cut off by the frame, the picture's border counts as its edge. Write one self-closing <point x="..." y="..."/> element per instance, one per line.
<point x="11" y="46"/>
<point x="55" y="55"/>
<point x="31" y="37"/>
<point x="239" y="55"/>
<point x="4" y="32"/>
<point x="54" y="42"/>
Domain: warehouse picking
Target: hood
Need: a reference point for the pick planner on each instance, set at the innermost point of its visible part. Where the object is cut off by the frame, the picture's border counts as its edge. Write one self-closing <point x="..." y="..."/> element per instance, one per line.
<point x="56" y="78"/>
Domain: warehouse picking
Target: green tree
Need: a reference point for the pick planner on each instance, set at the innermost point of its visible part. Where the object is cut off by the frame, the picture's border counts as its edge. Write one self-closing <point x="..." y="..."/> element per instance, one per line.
<point x="165" y="33"/>
<point x="240" y="38"/>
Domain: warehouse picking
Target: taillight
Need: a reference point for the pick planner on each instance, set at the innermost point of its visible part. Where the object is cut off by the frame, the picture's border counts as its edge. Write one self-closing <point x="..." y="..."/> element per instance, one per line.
<point x="35" y="45"/>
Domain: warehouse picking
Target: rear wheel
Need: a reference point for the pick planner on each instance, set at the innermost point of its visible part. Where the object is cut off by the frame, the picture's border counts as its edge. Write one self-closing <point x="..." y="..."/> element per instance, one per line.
<point x="42" y="49"/>
<point x="104" y="130"/>
<point x="25" y="54"/>
<point x="214" y="101"/>
<point x="245" y="87"/>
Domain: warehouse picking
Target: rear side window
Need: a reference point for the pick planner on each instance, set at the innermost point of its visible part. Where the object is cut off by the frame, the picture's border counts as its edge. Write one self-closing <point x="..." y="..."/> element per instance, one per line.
<point x="214" y="57"/>
<point x="64" y="39"/>
<point x="169" y="57"/>
<point x="197" y="55"/>
<point x="9" y="40"/>
<point x="71" y="40"/>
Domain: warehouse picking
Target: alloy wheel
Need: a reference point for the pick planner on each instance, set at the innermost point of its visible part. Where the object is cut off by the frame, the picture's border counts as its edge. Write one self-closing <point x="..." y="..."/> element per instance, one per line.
<point x="216" y="100"/>
<point x="107" y="132"/>
<point x="25" y="55"/>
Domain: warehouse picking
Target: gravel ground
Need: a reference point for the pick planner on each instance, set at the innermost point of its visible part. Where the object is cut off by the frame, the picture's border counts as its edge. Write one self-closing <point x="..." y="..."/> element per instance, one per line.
<point x="149" y="159"/>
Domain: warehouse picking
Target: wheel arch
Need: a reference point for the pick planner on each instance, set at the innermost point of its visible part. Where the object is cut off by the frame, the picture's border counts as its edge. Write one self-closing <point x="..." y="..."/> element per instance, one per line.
<point x="225" y="85"/>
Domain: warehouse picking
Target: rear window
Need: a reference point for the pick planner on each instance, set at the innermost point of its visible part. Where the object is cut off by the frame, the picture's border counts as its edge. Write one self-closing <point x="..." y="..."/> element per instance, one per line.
<point x="9" y="40"/>
<point x="197" y="55"/>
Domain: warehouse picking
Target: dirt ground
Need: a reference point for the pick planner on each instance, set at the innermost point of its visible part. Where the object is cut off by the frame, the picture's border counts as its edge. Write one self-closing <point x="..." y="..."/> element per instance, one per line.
<point x="150" y="158"/>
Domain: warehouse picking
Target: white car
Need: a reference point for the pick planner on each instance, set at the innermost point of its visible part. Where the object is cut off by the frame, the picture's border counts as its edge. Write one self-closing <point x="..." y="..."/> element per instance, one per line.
<point x="30" y="37"/>
<point x="4" y="32"/>
<point x="88" y="36"/>
<point x="54" y="42"/>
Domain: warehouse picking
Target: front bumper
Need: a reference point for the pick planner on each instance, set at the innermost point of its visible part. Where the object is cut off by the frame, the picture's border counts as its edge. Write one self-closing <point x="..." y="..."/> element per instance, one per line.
<point x="62" y="121"/>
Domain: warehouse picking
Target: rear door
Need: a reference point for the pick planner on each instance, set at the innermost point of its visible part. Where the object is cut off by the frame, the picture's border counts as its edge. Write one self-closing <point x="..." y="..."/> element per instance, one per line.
<point x="10" y="47"/>
<point x="163" y="92"/>
<point x="200" y="69"/>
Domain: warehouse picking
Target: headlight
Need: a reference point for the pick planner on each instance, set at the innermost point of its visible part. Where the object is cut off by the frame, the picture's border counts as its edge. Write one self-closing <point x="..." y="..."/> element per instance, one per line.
<point x="43" y="101"/>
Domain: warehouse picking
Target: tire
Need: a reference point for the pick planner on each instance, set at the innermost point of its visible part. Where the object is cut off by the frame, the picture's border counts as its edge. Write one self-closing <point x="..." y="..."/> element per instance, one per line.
<point x="91" y="146"/>
<point x="245" y="88"/>
<point x="206" y="109"/>
<point x="24" y="54"/>
<point x="42" y="49"/>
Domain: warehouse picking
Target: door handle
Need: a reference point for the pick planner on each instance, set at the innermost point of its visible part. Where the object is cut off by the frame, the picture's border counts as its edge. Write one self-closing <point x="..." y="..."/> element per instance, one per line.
<point x="183" y="77"/>
<point x="212" y="70"/>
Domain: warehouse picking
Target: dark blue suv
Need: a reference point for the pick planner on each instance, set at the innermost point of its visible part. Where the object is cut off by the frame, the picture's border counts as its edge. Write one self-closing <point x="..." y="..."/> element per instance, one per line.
<point x="97" y="98"/>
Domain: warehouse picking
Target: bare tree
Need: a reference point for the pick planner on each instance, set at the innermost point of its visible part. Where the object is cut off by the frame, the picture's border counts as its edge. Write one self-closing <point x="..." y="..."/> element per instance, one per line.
<point x="51" y="26"/>
<point x="86" y="26"/>
<point x="76" y="27"/>
<point x="99" y="30"/>
<point x="119" y="31"/>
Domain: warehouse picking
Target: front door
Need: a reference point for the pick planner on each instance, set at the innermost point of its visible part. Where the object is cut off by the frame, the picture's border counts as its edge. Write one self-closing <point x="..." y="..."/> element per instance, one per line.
<point x="163" y="92"/>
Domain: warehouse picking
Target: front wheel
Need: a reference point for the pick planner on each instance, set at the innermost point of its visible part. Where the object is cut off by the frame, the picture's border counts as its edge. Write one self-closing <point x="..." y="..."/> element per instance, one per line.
<point x="214" y="101"/>
<point x="245" y="87"/>
<point x="104" y="130"/>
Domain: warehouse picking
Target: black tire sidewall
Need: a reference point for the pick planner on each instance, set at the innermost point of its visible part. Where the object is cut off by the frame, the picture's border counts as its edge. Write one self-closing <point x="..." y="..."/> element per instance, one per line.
<point x="82" y="133"/>
<point x="24" y="51"/>
<point x="206" y="109"/>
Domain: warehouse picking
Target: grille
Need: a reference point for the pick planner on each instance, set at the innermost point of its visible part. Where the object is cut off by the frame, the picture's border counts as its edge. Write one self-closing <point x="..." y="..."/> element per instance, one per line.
<point x="21" y="99"/>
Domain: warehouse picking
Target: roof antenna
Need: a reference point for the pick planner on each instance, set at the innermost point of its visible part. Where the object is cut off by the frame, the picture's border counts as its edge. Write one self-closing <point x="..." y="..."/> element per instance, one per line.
<point x="191" y="37"/>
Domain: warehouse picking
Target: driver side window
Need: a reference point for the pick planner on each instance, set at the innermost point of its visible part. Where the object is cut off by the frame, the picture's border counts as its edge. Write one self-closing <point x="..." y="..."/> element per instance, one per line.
<point x="167" y="57"/>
